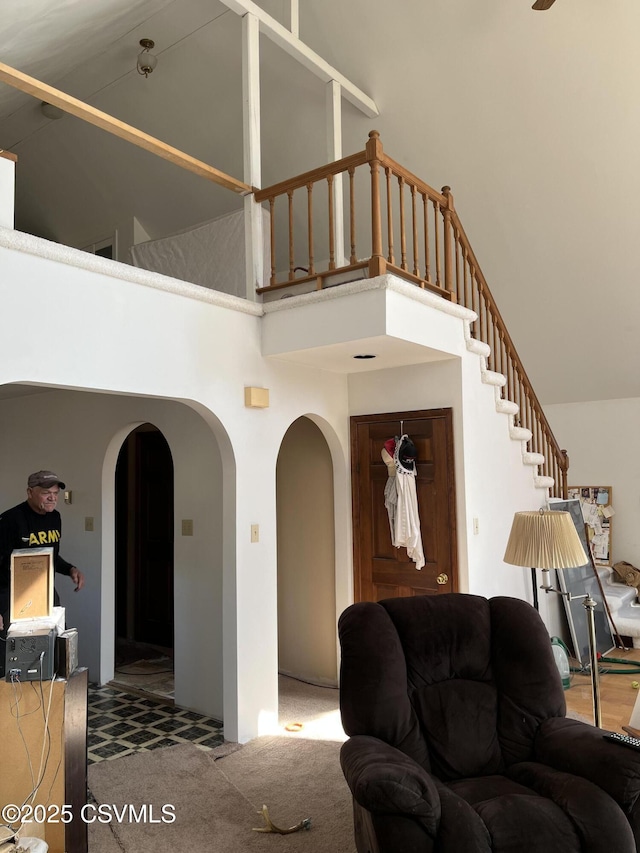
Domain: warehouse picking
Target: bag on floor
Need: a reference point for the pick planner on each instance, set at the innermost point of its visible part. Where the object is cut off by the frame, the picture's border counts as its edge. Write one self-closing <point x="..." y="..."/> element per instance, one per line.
<point x="628" y="573"/>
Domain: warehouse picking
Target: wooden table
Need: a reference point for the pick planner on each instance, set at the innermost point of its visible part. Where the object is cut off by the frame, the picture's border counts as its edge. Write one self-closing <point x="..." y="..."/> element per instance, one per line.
<point x="43" y="736"/>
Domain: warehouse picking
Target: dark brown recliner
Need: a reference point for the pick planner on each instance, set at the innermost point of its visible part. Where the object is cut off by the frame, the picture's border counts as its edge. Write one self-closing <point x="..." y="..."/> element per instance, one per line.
<point x="458" y="740"/>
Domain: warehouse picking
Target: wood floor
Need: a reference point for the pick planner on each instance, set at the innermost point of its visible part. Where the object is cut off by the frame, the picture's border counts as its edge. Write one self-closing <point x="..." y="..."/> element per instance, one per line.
<point x="617" y="694"/>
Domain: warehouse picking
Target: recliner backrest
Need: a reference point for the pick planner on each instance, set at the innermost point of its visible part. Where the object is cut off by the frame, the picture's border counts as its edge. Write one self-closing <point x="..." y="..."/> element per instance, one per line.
<point x="458" y="682"/>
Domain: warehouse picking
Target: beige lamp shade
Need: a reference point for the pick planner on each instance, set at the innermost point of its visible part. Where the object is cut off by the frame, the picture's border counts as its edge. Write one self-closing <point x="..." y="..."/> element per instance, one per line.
<point x="544" y="539"/>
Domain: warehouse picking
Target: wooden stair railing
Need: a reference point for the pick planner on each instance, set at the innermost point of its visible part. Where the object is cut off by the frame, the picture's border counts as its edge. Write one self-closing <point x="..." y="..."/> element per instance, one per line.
<point x="415" y="233"/>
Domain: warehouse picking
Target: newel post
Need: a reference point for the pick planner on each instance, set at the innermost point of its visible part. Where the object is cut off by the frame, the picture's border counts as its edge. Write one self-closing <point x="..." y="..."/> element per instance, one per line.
<point x="377" y="262"/>
<point x="565" y="474"/>
<point x="448" y="243"/>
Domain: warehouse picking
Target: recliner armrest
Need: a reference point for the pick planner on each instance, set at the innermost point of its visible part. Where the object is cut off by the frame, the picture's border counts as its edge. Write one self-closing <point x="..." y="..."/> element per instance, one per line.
<point x="579" y="748"/>
<point x="384" y="780"/>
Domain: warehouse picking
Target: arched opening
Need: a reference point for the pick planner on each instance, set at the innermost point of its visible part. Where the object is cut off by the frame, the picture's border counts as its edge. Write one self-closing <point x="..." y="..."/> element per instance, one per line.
<point x="144" y="558"/>
<point x="306" y="556"/>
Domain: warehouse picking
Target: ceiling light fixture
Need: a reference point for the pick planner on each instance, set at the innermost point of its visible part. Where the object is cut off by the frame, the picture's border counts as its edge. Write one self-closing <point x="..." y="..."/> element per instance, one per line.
<point x="50" y="111"/>
<point x="146" y="61"/>
<point x="364" y="355"/>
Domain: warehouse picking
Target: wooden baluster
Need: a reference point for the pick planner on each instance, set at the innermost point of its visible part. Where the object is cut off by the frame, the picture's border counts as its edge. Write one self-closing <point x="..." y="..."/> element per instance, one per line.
<point x="448" y="264"/>
<point x="436" y="231"/>
<point x="377" y="263"/>
<point x="475" y="301"/>
<point x="456" y="248"/>
<point x="332" y="247"/>
<point x="414" y="214"/>
<point x="352" y="216"/>
<point x="427" y="247"/>
<point x="465" y="272"/>
<point x="494" y="345"/>
<point x="512" y="383"/>
<point x="403" y="233"/>
<point x="390" y="256"/>
<point x="483" y="336"/>
<point x="292" y="273"/>
<point x="310" y="226"/>
<point x="272" y="238"/>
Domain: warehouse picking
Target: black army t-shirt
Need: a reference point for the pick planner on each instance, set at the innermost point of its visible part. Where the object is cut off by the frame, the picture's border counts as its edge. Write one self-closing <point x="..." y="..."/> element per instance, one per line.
<point x="22" y="527"/>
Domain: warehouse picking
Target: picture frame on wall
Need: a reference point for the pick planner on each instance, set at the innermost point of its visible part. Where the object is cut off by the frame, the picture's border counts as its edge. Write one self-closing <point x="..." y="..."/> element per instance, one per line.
<point x="597" y="512"/>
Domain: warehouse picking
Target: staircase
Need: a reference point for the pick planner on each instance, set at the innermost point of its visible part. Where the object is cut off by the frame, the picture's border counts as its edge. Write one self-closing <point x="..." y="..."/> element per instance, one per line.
<point x="415" y="233"/>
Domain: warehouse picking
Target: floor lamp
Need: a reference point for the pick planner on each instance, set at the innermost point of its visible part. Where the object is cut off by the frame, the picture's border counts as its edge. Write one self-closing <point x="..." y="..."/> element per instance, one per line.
<point x="546" y="539"/>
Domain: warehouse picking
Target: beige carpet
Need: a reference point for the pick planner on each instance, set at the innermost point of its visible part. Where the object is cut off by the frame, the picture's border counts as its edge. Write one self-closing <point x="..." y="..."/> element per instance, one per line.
<point x="216" y="801"/>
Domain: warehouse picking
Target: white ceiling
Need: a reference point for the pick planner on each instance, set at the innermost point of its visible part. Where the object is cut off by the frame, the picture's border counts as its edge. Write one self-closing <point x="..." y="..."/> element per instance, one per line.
<point x="532" y="117"/>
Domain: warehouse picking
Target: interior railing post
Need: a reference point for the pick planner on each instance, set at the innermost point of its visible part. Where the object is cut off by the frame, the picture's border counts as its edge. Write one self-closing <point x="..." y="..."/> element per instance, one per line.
<point x="403" y="230"/>
<point x="310" y="227"/>
<point x="390" y="255"/>
<point x="377" y="262"/>
<point x="352" y="215"/>
<point x="427" y="248"/>
<point x="416" y="256"/>
<point x="332" y="251"/>
<point x="272" y="234"/>
<point x="565" y="468"/>
<point x="292" y="274"/>
<point x="448" y="256"/>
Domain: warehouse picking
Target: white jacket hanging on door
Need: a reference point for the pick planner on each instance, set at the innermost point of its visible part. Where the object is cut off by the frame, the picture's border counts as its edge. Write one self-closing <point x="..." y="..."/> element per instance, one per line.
<point x="404" y="519"/>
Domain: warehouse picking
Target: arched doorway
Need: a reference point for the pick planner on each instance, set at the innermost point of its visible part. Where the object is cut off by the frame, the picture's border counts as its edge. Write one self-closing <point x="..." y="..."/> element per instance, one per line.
<point x="306" y="556"/>
<point x="144" y="551"/>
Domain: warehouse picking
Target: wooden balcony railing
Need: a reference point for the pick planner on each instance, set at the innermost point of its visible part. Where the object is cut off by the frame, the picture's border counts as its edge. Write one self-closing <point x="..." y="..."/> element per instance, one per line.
<point x="411" y="230"/>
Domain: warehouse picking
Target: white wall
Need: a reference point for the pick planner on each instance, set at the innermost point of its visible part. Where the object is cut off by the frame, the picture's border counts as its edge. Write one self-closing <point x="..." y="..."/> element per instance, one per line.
<point x="80" y="429"/>
<point x="491" y="480"/>
<point x="601" y="438"/>
<point x="89" y="325"/>
<point x="108" y="333"/>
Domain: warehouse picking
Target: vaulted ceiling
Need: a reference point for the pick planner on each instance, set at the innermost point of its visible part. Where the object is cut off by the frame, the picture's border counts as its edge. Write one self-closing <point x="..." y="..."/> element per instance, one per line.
<point x="532" y="117"/>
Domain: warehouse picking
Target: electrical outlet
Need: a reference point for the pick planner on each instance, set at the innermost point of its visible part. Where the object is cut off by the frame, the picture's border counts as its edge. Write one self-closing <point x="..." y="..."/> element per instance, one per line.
<point x="187" y="527"/>
<point x="88" y="523"/>
<point x="255" y="532"/>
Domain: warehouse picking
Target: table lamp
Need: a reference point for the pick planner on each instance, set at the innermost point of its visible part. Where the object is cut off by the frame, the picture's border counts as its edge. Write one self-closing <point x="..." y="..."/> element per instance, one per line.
<point x="546" y="539"/>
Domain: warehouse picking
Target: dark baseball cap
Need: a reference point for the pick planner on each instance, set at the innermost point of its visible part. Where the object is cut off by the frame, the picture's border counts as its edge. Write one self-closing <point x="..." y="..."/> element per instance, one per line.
<point x="44" y="479"/>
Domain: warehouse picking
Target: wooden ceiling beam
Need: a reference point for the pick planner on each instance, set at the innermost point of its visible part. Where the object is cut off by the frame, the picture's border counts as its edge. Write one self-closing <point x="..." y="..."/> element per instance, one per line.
<point x="118" y="128"/>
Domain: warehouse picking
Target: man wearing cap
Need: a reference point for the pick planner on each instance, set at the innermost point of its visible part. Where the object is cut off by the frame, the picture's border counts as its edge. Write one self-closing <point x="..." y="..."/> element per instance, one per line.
<point x="36" y="523"/>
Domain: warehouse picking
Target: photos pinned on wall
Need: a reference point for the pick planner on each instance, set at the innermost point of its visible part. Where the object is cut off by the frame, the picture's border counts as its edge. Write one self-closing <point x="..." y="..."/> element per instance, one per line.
<point x="597" y="511"/>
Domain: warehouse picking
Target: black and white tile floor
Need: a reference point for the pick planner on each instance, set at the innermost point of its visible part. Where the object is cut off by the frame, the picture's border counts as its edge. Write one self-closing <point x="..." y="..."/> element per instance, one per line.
<point x="122" y="723"/>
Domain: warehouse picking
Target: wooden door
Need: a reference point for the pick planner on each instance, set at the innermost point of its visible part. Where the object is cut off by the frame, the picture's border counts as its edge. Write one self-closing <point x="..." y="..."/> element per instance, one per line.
<point x="381" y="570"/>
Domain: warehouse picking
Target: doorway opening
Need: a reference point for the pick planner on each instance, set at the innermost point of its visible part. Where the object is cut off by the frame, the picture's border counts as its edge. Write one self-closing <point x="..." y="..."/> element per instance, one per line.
<point x="144" y="550"/>
<point x="306" y="556"/>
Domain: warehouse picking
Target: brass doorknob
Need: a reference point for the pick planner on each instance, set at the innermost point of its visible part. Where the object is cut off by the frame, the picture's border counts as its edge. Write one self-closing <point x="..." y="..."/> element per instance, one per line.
<point x="442" y="578"/>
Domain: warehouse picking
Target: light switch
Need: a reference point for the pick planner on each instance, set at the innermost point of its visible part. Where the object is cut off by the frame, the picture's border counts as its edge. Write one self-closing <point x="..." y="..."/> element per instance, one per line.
<point x="187" y="527"/>
<point x="88" y="523"/>
<point x="255" y="532"/>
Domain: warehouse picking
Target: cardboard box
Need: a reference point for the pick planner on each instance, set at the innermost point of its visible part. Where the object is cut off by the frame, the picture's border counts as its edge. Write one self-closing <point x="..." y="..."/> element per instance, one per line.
<point x="32" y="573"/>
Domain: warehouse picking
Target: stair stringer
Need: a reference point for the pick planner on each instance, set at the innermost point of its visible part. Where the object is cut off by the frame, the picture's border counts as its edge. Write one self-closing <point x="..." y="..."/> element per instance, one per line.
<point x="507" y="407"/>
